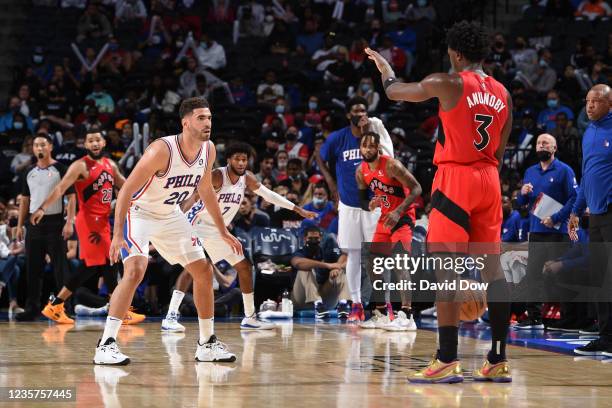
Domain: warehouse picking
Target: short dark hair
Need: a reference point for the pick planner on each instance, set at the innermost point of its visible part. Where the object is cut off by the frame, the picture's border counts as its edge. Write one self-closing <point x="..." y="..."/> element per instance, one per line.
<point x="238" y="148"/>
<point x="312" y="228"/>
<point x="373" y="135"/>
<point x="96" y="132"/>
<point x="323" y="185"/>
<point x="356" y="100"/>
<point x="45" y="136"/>
<point x="189" y="104"/>
<point x="265" y="156"/>
<point x="469" y="39"/>
<point x="296" y="161"/>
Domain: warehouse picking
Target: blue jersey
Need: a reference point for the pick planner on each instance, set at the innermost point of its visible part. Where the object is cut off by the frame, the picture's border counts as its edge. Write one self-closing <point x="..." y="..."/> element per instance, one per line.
<point x="343" y="148"/>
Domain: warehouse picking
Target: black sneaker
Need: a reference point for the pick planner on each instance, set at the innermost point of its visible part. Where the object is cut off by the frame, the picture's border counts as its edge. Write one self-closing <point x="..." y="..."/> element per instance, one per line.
<point x="568" y="326"/>
<point x="320" y="311"/>
<point x="592" y="329"/>
<point x="28" y="316"/>
<point x="529" y="324"/>
<point x="343" y="310"/>
<point x="594" y="348"/>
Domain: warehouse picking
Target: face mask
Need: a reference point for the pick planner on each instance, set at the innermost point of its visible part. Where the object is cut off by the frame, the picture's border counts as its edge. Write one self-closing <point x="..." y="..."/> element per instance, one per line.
<point x="355" y="120"/>
<point x="313" y="245"/>
<point x="365" y="87"/>
<point x="319" y="202"/>
<point x="499" y="44"/>
<point x="12" y="222"/>
<point x="291" y="137"/>
<point x="18" y="125"/>
<point x="552" y="103"/>
<point x="282" y="164"/>
<point x="543" y="63"/>
<point x="203" y="45"/>
<point x="179" y="44"/>
<point x="279" y="109"/>
<point x="421" y="3"/>
<point x="220" y="147"/>
<point x="113" y="47"/>
<point x="312" y="105"/>
<point x="520" y="46"/>
<point x="156" y="39"/>
<point x="38" y="59"/>
<point x="543" y="155"/>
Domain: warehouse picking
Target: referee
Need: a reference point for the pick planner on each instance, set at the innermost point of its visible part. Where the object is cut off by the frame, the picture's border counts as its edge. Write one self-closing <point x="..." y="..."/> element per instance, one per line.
<point x="596" y="193"/>
<point x="45" y="238"/>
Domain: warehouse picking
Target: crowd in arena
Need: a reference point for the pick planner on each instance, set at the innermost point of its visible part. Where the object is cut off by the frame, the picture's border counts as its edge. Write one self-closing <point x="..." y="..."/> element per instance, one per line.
<point x="278" y="75"/>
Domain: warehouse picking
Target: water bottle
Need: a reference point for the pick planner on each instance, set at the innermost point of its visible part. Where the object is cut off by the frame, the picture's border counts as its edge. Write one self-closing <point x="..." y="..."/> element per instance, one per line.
<point x="286" y="304"/>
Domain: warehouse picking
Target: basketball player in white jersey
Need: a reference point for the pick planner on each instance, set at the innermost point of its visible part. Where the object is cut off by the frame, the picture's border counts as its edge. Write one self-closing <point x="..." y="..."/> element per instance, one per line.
<point x="147" y="211"/>
<point x="229" y="182"/>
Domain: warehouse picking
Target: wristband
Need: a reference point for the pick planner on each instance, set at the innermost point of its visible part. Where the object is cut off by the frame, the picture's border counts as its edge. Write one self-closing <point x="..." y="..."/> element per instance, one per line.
<point x="388" y="82"/>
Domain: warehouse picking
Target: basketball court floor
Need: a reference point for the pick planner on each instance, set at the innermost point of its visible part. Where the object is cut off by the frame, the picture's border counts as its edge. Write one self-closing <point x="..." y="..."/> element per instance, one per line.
<point x="301" y="364"/>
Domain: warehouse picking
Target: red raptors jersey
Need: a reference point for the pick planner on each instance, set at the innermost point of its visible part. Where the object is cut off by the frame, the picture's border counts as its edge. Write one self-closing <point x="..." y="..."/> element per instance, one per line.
<point x="390" y="190"/>
<point x="95" y="193"/>
<point x="472" y="129"/>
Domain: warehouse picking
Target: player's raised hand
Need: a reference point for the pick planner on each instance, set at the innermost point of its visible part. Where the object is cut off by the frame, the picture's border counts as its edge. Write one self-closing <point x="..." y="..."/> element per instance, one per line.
<point x="117" y="244"/>
<point x="381" y="63"/>
<point x="233" y="242"/>
<point x="311" y="215"/>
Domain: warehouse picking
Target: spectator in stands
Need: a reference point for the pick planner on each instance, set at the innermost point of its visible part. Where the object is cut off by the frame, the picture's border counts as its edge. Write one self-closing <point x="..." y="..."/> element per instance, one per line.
<point x="597" y="76"/>
<point x="221" y="12"/>
<point x="525" y="59"/>
<point x="211" y="54"/>
<point x="423" y="10"/>
<point x="405" y="38"/>
<point x="251" y="9"/>
<point x="103" y="100"/>
<point x="248" y="216"/>
<point x="42" y="69"/>
<point x="514" y="226"/>
<point x="327" y="54"/>
<point x="128" y="12"/>
<point x="29" y="106"/>
<point x="295" y="149"/>
<point x="54" y="107"/>
<point x="533" y="10"/>
<point x="91" y="120"/>
<point x="266" y="168"/>
<point x="68" y="152"/>
<point x="568" y="85"/>
<point x="311" y="40"/>
<point x="366" y="90"/>
<point x="542" y="80"/>
<point x="23" y="159"/>
<point x="569" y="139"/>
<point x="15" y="135"/>
<point x="320" y="204"/>
<point x="281" y="113"/>
<point x="275" y="89"/>
<point x="593" y="9"/>
<point x="296" y="179"/>
<point x="557" y="180"/>
<point x="282" y="217"/>
<point x="321" y="279"/>
<point x="547" y="118"/>
<point x="357" y="55"/>
<point x="9" y="251"/>
<point x="375" y="34"/>
<point x="93" y="25"/>
<point x="561" y="9"/>
<point x="14" y="108"/>
<point x="340" y="74"/>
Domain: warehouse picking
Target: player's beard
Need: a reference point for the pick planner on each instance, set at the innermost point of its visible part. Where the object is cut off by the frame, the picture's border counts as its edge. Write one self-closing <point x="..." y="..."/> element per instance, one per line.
<point x="371" y="159"/>
<point x="236" y="172"/>
<point x="94" y="156"/>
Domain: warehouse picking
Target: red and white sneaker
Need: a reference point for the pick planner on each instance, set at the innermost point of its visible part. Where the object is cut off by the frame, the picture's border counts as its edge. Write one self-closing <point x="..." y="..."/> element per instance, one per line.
<point x="357" y="313"/>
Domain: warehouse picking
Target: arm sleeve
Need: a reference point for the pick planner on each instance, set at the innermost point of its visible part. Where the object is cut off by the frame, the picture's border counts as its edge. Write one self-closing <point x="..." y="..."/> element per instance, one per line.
<point x="364" y="200"/>
<point x="385" y="140"/>
<point x="273" y="198"/>
<point x="570" y="191"/>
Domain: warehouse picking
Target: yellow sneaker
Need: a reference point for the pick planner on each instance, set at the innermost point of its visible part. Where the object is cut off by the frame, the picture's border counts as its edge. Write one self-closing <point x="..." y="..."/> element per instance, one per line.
<point x="499" y="372"/>
<point x="133" y="318"/>
<point x="438" y="372"/>
<point x="56" y="313"/>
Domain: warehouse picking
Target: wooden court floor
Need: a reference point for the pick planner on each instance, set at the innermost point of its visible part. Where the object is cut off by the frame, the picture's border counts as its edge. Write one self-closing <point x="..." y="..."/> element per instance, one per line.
<point x="297" y="365"/>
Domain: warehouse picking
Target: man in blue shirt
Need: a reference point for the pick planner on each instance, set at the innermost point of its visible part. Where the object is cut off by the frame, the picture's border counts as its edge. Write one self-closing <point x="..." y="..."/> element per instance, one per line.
<point x="324" y="208"/>
<point x="595" y="192"/>
<point x="557" y="180"/>
<point x="547" y="119"/>
<point x="514" y="227"/>
<point x="354" y="224"/>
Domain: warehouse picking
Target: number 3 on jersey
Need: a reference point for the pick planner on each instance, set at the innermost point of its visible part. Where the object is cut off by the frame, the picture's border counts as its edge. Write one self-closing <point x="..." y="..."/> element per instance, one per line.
<point x="484" y="123"/>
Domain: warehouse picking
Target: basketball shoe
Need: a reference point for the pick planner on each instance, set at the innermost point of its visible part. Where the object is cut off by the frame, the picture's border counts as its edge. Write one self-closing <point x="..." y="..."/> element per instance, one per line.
<point x="132" y="317"/>
<point x="401" y="323"/>
<point x="253" y="323"/>
<point x="56" y="313"/>
<point x="499" y="372"/>
<point x="377" y="321"/>
<point x="109" y="354"/>
<point x="214" y="350"/>
<point x="438" y="372"/>
<point x="82" y="310"/>
<point x="357" y="313"/>
<point x="343" y="310"/>
<point x="171" y="325"/>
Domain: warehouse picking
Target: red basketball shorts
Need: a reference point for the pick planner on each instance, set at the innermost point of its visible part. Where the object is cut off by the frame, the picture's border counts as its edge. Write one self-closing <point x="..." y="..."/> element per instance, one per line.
<point x="94" y="236"/>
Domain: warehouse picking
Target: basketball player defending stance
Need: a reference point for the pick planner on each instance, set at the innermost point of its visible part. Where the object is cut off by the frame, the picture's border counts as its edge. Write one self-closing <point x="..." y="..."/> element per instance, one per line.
<point x="475" y="111"/>
<point x="229" y="182"/>
<point x="394" y="189"/>
<point x="147" y="211"/>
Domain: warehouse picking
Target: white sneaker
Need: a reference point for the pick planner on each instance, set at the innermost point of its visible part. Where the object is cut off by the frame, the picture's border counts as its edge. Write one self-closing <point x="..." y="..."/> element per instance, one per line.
<point x="82" y="310"/>
<point x="430" y="312"/>
<point x="401" y="323"/>
<point x="109" y="354"/>
<point x="376" y="321"/>
<point x="214" y="350"/>
<point x="170" y="323"/>
<point x="253" y="323"/>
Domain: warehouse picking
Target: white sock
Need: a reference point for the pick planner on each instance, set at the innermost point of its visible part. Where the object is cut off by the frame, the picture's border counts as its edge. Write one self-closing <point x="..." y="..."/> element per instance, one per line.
<point x="249" y="304"/>
<point x="111" y="328"/>
<point x="316" y="302"/>
<point x="207" y="329"/>
<point x="175" y="302"/>
<point x="353" y="274"/>
<point x="387" y="279"/>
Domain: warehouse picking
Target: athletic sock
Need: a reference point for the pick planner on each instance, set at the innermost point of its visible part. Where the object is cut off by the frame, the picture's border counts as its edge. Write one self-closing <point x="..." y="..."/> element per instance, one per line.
<point x="111" y="328"/>
<point x="175" y="302"/>
<point x="448" y="343"/>
<point x="207" y="329"/>
<point x="249" y="304"/>
<point x="499" y="319"/>
<point x="56" y="301"/>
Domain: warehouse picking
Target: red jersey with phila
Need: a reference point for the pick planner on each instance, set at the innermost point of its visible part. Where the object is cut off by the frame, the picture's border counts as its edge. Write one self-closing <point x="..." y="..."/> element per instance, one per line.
<point x="472" y="129"/>
<point x="391" y="192"/>
<point x="95" y="193"/>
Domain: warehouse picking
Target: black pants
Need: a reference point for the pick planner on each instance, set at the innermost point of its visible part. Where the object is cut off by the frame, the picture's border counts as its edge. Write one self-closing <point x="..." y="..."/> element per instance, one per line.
<point x="44" y="239"/>
<point x="600" y="230"/>
<point x="539" y="253"/>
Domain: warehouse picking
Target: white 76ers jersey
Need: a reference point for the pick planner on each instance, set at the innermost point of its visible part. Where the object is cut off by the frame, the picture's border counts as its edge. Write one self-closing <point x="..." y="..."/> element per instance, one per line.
<point x="162" y="194"/>
<point x="229" y="197"/>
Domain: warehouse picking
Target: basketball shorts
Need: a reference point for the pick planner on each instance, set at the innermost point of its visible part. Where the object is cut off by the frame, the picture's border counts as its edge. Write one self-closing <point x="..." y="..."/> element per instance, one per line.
<point x="401" y="233"/>
<point x="216" y="248"/>
<point x="466" y="208"/>
<point x="172" y="236"/>
<point x="94" y="236"/>
<point x="355" y="226"/>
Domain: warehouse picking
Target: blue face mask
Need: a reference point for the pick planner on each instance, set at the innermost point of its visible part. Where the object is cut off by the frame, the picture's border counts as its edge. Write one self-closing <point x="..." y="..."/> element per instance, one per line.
<point x="365" y="87"/>
<point x="18" y="125"/>
<point x="312" y="105"/>
<point x="319" y="202"/>
<point x="421" y="3"/>
<point x="279" y="109"/>
<point x="552" y="103"/>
